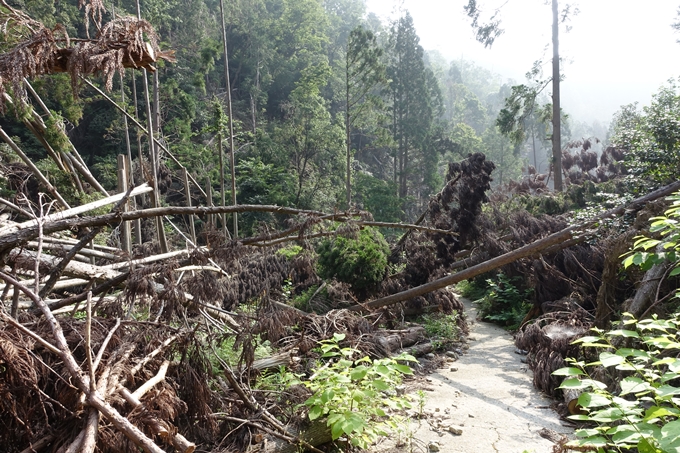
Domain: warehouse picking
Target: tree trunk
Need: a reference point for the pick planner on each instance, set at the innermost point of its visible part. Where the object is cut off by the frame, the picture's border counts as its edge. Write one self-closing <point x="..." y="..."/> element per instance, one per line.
<point x="647" y="291"/>
<point x="557" y="132"/>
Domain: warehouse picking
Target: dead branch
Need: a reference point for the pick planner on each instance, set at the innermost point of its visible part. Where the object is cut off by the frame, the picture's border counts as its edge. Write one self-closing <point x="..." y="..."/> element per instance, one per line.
<point x="80" y="379"/>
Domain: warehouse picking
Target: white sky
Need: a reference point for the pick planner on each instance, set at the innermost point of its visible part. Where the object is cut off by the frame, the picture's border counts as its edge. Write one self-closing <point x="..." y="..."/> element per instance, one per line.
<point x="617" y="52"/>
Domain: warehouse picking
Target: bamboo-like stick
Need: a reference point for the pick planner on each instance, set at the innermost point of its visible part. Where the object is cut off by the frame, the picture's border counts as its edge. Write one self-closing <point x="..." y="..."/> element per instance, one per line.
<point x="38" y="174"/>
<point x="146" y="132"/>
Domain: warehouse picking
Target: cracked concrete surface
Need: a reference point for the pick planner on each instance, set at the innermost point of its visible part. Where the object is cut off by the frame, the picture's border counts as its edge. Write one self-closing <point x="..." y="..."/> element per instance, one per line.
<point x="490" y="397"/>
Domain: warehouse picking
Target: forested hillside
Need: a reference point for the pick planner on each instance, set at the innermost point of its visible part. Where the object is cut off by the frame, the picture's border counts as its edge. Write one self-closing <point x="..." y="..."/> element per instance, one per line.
<point x="236" y="226"/>
<point x="317" y="88"/>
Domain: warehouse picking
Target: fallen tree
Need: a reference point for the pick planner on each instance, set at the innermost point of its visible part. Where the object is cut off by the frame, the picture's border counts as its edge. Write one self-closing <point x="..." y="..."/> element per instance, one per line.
<point x="562" y="239"/>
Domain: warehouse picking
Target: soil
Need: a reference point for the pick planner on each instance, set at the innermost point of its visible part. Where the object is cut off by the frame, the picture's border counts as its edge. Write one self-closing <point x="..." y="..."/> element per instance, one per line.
<point x="483" y="402"/>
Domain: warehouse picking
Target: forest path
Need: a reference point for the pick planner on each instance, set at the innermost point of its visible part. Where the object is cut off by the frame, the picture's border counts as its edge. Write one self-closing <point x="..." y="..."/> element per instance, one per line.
<point x="488" y="395"/>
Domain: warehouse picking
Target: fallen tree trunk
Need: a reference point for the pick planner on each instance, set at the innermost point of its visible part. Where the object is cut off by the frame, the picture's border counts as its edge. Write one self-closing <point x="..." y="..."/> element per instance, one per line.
<point x="555" y="242"/>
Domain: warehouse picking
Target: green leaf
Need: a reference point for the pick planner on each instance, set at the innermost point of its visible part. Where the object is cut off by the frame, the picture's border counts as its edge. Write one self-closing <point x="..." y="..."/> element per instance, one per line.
<point x="568" y="371"/>
<point x="593" y="400"/>
<point x="573" y="383"/>
<point x="608" y="415"/>
<point x="634" y="385"/>
<point x="315" y="412"/>
<point x="336" y="430"/>
<point x="631" y="352"/>
<point x="655" y="412"/>
<point x="405" y="369"/>
<point x="595" y="441"/>
<point x="358" y="396"/>
<point x="338" y="337"/>
<point x="644" y="446"/>
<point x="667" y="390"/>
<point x="380" y="385"/>
<point x="586" y="432"/>
<point x="625" y="434"/>
<point x="624" y="333"/>
<point x="670" y="437"/>
<point x="327" y="395"/>
<point x="608" y="359"/>
<point x="358" y="373"/>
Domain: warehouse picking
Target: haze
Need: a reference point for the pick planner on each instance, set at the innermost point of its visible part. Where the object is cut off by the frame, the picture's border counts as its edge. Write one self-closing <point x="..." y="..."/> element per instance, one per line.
<point x="617" y="52"/>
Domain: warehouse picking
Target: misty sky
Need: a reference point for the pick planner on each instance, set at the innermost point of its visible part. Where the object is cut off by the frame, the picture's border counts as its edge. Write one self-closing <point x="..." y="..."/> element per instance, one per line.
<point x="617" y="52"/>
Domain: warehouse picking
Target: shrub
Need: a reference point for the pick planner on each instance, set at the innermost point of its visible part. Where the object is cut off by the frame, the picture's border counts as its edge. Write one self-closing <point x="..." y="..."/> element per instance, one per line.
<point x="354" y="394"/>
<point x="643" y="410"/>
<point x="360" y="261"/>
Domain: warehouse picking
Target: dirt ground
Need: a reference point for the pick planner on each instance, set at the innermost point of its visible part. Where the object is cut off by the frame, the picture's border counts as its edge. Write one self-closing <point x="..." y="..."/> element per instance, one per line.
<point x="483" y="402"/>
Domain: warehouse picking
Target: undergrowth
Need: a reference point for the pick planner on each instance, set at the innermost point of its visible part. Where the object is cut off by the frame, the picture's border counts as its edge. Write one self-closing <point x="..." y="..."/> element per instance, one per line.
<point x="500" y="299"/>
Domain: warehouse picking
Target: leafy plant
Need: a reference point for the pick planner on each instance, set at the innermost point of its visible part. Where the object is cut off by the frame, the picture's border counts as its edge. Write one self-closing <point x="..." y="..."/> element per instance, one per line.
<point x="290" y="251"/>
<point x="442" y="327"/>
<point x="504" y="302"/>
<point x="643" y="411"/>
<point x="360" y="261"/>
<point x="648" y="251"/>
<point x="354" y="394"/>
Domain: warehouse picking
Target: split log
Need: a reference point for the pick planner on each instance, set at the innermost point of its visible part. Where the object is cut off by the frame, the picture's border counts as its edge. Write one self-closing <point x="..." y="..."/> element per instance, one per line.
<point x="274" y="361"/>
<point x="82" y="209"/>
<point x="418" y="350"/>
<point x="648" y="291"/>
<point x="394" y="340"/>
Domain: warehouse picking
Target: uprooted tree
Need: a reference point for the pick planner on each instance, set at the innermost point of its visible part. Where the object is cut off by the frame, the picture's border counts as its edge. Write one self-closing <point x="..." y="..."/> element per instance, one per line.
<point x="111" y="347"/>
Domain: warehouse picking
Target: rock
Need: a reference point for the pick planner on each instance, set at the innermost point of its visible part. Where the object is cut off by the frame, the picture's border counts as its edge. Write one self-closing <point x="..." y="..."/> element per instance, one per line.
<point x="401" y="389"/>
<point x="471" y="416"/>
<point x="453" y="368"/>
<point x="433" y="446"/>
<point x="430" y="356"/>
<point x="454" y="430"/>
<point x="451" y="354"/>
<point x="436" y="409"/>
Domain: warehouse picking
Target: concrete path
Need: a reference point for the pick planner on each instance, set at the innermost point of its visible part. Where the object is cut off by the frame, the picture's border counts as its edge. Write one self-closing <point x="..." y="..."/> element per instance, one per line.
<point x="482" y="403"/>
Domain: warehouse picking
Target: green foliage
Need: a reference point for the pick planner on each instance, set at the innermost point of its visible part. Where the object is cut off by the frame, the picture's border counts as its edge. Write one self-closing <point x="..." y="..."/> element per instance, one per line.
<point x="441" y="328"/>
<point x="260" y="183"/>
<point x="230" y="352"/>
<point x="360" y="261"/>
<point x="378" y="197"/>
<point x="354" y="394"/>
<point x="643" y="411"/>
<point x="301" y="301"/>
<point x="651" y="137"/>
<point x="290" y="251"/>
<point x="649" y="251"/>
<point x="504" y="302"/>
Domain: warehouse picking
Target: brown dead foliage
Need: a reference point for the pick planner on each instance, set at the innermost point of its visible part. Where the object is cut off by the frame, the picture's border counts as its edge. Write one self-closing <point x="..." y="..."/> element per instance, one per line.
<point x="37" y="399"/>
<point x="547" y="341"/>
<point x="124" y="42"/>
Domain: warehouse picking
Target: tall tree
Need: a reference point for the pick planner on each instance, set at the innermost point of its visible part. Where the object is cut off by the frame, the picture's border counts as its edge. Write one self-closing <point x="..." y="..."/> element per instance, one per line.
<point x="364" y="74"/>
<point x="416" y="99"/>
<point x="487" y="33"/>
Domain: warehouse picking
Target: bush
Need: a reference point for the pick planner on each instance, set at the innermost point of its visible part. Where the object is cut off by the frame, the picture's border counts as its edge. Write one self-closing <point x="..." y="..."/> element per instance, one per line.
<point x="354" y="395"/>
<point x="361" y="261"/>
